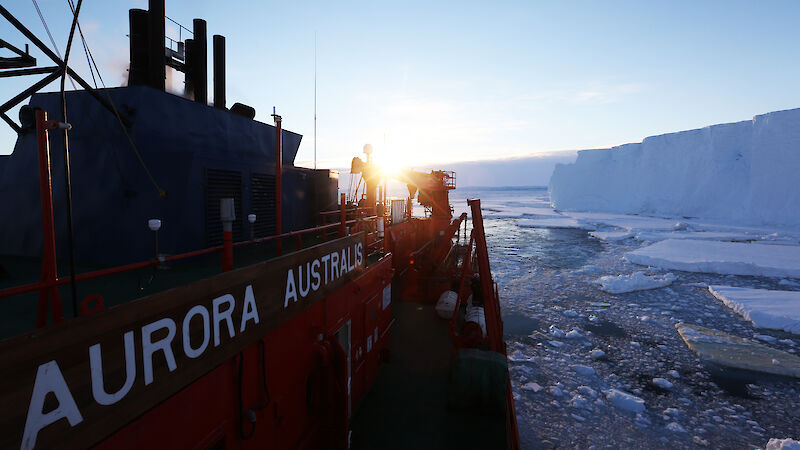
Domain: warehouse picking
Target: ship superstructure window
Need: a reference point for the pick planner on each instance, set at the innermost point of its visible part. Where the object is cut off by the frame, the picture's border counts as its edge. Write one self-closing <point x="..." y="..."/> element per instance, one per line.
<point x="222" y="184"/>
<point x="262" y="189"/>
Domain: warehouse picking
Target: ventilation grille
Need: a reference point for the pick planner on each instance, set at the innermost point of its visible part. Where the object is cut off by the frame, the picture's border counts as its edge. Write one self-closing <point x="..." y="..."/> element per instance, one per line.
<point x="222" y="184"/>
<point x="263" y="190"/>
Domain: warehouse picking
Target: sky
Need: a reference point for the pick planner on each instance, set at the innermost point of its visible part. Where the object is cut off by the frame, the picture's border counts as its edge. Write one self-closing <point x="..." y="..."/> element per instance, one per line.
<point x="429" y="83"/>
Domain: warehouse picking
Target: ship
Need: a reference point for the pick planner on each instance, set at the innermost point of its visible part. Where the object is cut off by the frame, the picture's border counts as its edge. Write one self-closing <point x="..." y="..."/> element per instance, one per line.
<point x="170" y="279"/>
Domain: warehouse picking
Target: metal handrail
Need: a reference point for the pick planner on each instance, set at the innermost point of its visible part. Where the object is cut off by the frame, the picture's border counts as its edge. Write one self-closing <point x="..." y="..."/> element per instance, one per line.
<point x="32" y="287"/>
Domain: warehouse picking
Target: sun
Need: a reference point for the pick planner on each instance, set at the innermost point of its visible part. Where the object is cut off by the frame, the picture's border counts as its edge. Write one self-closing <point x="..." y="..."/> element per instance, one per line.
<point x="391" y="165"/>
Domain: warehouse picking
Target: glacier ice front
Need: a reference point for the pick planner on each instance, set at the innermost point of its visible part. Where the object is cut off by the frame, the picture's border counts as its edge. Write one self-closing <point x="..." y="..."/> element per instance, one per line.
<point x="743" y="172"/>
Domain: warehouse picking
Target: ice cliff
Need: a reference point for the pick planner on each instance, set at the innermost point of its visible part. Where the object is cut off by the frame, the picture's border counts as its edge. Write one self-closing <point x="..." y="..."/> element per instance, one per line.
<point x="744" y="172"/>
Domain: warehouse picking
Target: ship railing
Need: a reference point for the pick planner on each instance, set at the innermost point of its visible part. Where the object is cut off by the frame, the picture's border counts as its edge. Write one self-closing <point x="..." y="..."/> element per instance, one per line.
<point x="374" y="243"/>
<point x="353" y="211"/>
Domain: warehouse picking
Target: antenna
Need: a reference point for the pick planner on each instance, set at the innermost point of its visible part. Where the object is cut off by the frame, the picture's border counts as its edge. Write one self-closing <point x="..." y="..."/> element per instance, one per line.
<point x="315" y="100"/>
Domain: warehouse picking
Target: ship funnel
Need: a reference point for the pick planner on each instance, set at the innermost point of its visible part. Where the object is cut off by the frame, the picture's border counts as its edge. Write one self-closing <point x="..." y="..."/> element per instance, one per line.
<point x="219" y="71"/>
<point x="147" y="53"/>
<point x="199" y="68"/>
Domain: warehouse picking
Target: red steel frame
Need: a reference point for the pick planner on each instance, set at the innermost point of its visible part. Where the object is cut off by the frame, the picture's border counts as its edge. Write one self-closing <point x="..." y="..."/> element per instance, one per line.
<point x="48" y="294"/>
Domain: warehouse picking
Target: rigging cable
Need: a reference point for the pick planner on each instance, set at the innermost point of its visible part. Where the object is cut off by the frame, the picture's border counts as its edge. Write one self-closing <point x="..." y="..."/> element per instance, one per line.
<point x="50" y="35"/>
<point x="90" y="61"/>
<point x="67" y="183"/>
<point x="161" y="192"/>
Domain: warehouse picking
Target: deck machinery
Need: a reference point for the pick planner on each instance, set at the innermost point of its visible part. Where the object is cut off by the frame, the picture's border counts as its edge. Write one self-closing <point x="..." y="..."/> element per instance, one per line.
<point x="290" y="336"/>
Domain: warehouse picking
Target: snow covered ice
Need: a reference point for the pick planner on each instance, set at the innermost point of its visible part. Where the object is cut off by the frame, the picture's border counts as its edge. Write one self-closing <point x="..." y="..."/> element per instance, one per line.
<point x="778" y="310"/>
<point x="721" y="257"/>
<point x="637" y="281"/>
<point x="624" y="400"/>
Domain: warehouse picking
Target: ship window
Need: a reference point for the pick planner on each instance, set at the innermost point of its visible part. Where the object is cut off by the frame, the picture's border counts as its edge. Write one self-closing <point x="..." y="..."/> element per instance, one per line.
<point x="222" y="184"/>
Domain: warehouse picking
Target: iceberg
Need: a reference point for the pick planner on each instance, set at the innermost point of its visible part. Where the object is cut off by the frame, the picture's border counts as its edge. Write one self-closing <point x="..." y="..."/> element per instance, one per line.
<point x="743" y="172"/>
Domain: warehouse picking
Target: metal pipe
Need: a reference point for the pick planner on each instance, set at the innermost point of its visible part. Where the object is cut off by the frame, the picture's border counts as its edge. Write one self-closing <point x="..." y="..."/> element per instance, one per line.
<point x="27" y="92"/>
<point x="67" y="174"/>
<point x="188" y="59"/>
<point x="157" y="68"/>
<point x="219" y="71"/>
<point x="342" y="216"/>
<point x="278" y="173"/>
<point x="49" y="273"/>
<point x="200" y="57"/>
<point x="32" y="71"/>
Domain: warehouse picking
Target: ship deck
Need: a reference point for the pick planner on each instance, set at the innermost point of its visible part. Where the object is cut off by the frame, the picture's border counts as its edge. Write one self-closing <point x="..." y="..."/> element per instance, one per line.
<point x="407" y="405"/>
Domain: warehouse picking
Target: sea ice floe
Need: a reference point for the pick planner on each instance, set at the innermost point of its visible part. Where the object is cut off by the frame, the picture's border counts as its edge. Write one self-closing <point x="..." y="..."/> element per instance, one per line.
<point x="783" y="444"/>
<point x="733" y="258"/>
<point x="587" y="391"/>
<point x="556" y="332"/>
<point x="574" y="334"/>
<point x="553" y="222"/>
<point x="597" y="353"/>
<point x="779" y="310"/>
<point x="583" y="370"/>
<point x="732" y="351"/>
<point x="624" y="400"/>
<point x="611" y="235"/>
<point x="662" y="383"/>
<point x="535" y="387"/>
<point x="636" y="281"/>
<point x="676" y="427"/>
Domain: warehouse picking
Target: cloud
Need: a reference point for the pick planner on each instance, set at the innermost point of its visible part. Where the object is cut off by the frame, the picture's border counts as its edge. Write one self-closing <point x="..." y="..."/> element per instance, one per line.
<point x="592" y="93"/>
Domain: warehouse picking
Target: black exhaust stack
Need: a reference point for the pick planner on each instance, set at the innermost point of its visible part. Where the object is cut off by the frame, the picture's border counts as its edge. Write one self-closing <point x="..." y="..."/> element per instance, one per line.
<point x="188" y="90"/>
<point x="138" y="73"/>
<point x="156" y="34"/>
<point x="199" y="67"/>
<point x="149" y="60"/>
<point x="219" y="71"/>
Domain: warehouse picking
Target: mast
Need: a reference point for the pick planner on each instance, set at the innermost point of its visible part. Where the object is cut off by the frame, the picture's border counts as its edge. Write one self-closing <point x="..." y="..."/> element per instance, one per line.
<point x="315" y="100"/>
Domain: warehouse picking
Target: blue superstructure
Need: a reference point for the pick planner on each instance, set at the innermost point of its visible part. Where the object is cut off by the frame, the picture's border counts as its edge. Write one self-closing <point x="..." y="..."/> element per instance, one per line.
<point x="196" y="153"/>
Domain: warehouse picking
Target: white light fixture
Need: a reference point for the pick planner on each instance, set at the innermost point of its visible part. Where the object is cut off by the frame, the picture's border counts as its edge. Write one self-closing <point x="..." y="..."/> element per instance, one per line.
<point x="154" y="224"/>
<point x="251" y="218"/>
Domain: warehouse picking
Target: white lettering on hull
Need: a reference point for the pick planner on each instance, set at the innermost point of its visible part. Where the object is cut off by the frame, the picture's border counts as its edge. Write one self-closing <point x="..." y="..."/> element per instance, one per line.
<point x="334" y="266"/>
<point x="48" y="379"/>
<point x="312" y="276"/>
<point x="96" y="368"/>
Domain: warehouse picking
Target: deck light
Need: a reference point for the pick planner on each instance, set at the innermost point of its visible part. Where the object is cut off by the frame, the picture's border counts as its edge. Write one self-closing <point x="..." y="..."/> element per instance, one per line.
<point x="154" y="225"/>
<point x="252" y="219"/>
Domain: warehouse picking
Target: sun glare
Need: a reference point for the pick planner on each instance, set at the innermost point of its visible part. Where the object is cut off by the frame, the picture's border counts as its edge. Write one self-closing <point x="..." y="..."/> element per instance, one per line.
<point x="391" y="165"/>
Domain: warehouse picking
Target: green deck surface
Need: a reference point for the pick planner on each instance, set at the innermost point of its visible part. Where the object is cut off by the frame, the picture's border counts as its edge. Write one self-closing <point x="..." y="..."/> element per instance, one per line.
<point x="406" y="408"/>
